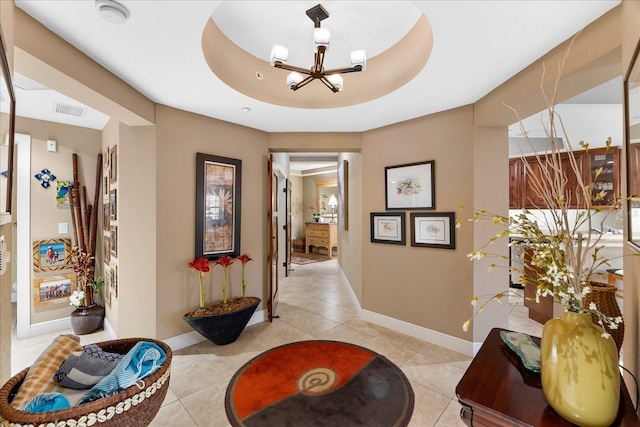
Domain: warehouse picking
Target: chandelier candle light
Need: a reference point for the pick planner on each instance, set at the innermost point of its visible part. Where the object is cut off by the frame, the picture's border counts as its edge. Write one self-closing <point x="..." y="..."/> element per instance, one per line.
<point x="321" y="38"/>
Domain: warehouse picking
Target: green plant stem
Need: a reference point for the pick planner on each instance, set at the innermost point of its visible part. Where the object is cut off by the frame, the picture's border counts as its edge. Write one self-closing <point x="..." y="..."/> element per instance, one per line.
<point x="244" y="284"/>
<point x="224" y="287"/>
<point x="203" y="291"/>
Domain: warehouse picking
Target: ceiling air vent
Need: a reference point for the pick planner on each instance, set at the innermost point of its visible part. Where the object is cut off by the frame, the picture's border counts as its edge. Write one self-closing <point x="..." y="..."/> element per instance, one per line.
<point x="72" y="110"/>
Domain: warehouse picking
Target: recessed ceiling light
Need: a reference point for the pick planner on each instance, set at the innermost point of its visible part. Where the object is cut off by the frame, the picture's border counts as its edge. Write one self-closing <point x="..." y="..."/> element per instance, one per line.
<point x="245" y="109"/>
<point x="112" y="12"/>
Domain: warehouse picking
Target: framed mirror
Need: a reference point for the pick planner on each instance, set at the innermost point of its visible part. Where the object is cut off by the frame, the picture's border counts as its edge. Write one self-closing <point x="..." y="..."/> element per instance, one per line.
<point x="632" y="119"/>
<point x="7" y="131"/>
<point x="327" y="193"/>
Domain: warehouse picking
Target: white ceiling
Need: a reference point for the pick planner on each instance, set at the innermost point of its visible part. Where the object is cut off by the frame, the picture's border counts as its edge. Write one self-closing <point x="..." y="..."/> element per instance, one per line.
<point x="477" y="46"/>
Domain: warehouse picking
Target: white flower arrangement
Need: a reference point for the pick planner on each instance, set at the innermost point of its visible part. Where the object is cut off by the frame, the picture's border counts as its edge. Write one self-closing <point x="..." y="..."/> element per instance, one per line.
<point x="77" y="298"/>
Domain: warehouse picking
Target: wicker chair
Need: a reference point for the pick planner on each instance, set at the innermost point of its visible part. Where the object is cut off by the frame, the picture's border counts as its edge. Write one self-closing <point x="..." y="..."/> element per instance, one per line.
<point x="131" y="407"/>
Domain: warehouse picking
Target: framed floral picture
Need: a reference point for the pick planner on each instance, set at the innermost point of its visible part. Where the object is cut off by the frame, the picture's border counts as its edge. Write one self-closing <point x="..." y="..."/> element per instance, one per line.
<point x="51" y="254"/>
<point x="410" y="186"/>
<point x="218" y="190"/>
<point x="433" y="230"/>
<point x="388" y="227"/>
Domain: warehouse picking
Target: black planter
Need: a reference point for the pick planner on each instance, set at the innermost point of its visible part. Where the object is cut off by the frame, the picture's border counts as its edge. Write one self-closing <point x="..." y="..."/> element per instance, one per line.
<point x="222" y="329"/>
<point x="85" y="320"/>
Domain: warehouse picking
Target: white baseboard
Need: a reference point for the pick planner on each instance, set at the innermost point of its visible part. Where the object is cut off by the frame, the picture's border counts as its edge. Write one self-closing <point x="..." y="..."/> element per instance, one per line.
<point x="447" y="341"/>
<point x="109" y="329"/>
<point x="424" y="334"/>
<point x="50" y="327"/>
<point x="63" y="325"/>
<point x="192" y="338"/>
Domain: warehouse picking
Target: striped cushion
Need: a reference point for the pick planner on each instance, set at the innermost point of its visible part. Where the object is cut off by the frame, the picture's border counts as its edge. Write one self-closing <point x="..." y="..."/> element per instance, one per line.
<point x="39" y="378"/>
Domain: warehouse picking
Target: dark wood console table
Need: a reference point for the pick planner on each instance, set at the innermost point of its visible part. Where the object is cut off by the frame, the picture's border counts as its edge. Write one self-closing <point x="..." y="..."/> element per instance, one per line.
<point x="497" y="390"/>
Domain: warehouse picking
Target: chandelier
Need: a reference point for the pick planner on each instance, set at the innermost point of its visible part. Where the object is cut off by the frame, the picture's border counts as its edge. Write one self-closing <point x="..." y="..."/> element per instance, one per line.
<point x="299" y="76"/>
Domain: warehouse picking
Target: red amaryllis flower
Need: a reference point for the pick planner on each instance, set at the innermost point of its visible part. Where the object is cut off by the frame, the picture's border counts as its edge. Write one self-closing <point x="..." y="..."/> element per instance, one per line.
<point x="200" y="264"/>
<point x="225" y="261"/>
<point x="244" y="258"/>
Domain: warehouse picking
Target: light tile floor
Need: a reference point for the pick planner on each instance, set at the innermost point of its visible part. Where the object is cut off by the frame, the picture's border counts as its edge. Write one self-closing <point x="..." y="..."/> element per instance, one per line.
<point x="314" y="304"/>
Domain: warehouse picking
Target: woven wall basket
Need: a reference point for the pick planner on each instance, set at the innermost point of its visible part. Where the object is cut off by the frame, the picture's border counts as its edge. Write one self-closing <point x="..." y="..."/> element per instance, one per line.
<point x="605" y="298"/>
<point x="131" y="407"/>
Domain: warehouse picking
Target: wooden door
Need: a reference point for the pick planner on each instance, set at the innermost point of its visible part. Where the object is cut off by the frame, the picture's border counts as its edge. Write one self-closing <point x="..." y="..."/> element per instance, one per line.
<point x="273" y="240"/>
<point x="289" y="243"/>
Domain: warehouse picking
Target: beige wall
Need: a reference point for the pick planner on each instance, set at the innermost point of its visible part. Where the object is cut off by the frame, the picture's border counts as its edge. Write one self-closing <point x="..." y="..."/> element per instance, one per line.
<point x="350" y="240"/>
<point x="180" y="135"/>
<point x="7" y="10"/>
<point x="45" y="215"/>
<point x="420" y="285"/>
<point x="631" y="346"/>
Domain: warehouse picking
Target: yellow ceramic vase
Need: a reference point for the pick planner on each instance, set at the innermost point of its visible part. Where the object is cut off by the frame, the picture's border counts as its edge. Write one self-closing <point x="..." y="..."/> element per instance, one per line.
<point x="579" y="370"/>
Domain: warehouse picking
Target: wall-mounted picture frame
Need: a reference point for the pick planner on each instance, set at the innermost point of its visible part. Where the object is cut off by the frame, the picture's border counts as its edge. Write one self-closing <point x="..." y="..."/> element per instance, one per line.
<point x="114" y="279"/>
<point x="63" y="193"/>
<point x="433" y="230"/>
<point x="410" y="186"/>
<point x="106" y="216"/>
<point x="113" y="238"/>
<point x="107" y="247"/>
<point x="51" y="254"/>
<point x="106" y="275"/>
<point x="53" y="289"/>
<point x="218" y="195"/>
<point x="113" y="204"/>
<point x="343" y="195"/>
<point x="113" y="164"/>
<point x="388" y="227"/>
<point x="632" y="147"/>
<point x="105" y="186"/>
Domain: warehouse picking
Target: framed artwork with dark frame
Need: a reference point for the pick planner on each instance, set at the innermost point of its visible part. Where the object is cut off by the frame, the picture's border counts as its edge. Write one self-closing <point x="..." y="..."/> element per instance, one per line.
<point x="433" y="230"/>
<point x="388" y="227"/>
<point x="410" y="186"/>
<point x="632" y="147"/>
<point x="51" y="254"/>
<point x="218" y="195"/>
<point x="106" y="216"/>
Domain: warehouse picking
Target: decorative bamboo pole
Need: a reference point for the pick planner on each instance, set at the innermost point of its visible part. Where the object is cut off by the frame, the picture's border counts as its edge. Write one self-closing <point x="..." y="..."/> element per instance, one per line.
<point x="86" y="217"/>
<point x="77" y="205"/>
<point x="96" y="205"/>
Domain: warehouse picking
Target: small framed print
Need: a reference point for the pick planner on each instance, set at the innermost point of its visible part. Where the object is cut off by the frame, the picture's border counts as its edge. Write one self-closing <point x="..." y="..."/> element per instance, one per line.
<point x="114" y="241"/>
<point x="410" y="186"/>
<point x="388" y="227"/>
<point x="113" y="204"/>
<point x="433" y="230"/>
<point x="107" y="248"/>
<point x="113" y="164"/>
<point x="53" y="289"/>
<point x="106" y="217"/>
<point x="51" y="254"/>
